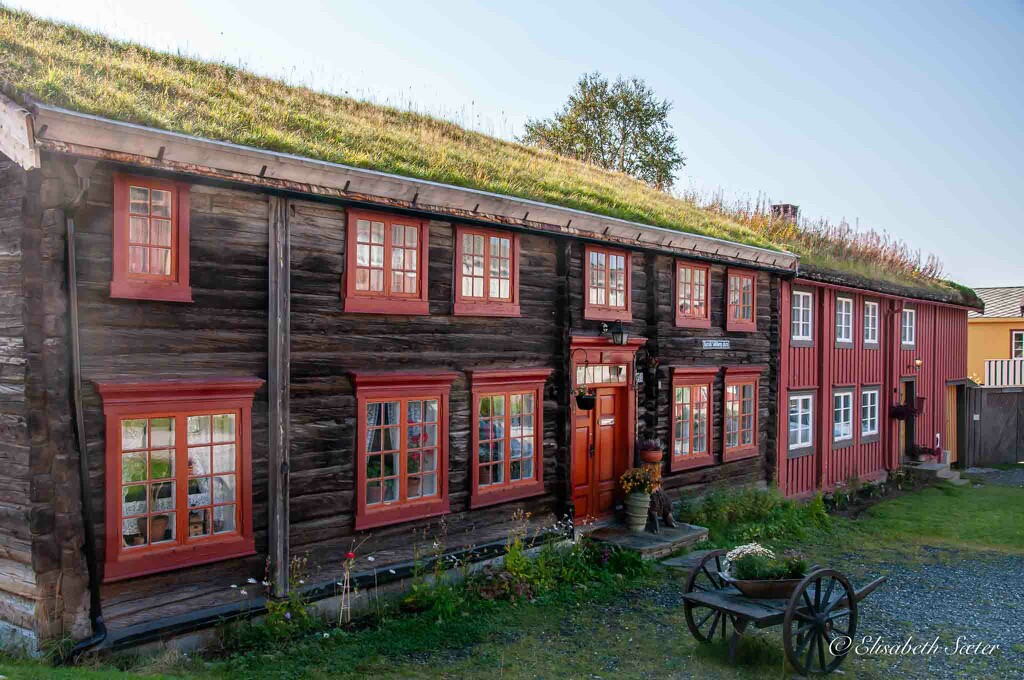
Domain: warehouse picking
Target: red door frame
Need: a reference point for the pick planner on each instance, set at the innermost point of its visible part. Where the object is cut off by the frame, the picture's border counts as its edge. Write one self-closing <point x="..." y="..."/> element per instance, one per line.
<point x="597" y="350"/>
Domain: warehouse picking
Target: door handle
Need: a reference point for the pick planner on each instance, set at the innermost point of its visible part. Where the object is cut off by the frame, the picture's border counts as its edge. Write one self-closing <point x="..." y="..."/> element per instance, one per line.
<point x="591" y="450"/>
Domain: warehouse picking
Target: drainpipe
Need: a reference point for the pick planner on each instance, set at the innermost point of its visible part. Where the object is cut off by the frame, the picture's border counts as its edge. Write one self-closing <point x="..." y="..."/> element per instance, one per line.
<point x="99" y="629"/>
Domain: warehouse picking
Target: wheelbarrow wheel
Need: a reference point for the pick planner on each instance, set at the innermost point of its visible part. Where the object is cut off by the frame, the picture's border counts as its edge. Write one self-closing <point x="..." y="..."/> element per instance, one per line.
<point x="820" y="623"/>
<point x="705" y="622"/>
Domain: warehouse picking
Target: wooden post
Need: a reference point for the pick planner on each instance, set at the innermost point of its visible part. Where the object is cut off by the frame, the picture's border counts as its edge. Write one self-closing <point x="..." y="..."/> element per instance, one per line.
<point x="278" y="371"/>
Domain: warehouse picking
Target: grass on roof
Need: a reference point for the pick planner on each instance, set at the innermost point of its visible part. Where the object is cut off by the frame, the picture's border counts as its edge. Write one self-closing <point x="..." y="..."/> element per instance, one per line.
<point x="66" y="66"/>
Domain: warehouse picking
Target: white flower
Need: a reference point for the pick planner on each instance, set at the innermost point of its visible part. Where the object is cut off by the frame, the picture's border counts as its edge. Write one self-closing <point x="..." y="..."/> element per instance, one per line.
<point x="266" y="584"/>
<point x="327" y="635"/>
<point x="302" y="582"/>
<point x="233" y="585"/>
<point x="748" y="549"/>
<point x="371" y="558"/>
<point x="391" y="570"/>
<point x="252" y="580"/>
<point x="243" y="591"/>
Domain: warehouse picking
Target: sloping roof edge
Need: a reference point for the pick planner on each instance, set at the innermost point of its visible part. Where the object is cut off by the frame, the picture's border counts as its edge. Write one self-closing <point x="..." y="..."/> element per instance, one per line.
<point x="956" y="298"/>
<point x="60" y="130"/>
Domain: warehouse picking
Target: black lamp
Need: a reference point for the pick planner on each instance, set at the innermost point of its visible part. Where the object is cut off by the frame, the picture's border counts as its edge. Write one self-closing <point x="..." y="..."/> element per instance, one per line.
<point x="620" y="336"/>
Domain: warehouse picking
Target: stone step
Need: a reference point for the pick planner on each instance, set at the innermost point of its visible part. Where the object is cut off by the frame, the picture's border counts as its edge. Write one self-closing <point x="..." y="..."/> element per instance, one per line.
<point x="685" y="562"/>
<point x="948" y="474"/>
<point x="651" y="546"/>
<point x="959" y="481"/>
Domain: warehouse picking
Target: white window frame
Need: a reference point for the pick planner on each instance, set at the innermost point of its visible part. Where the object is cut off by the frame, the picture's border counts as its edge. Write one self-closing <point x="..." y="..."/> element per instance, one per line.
<point x="908" y="339"/>
<point x="839" y="410"/>
<point x="802" y="324"/>
<point x="799" y="442"/>
<point x="1016" y="338"/>
<point x="870" y="329"/>
<point x="844" y="313"/>
<point x="869" y="412"/>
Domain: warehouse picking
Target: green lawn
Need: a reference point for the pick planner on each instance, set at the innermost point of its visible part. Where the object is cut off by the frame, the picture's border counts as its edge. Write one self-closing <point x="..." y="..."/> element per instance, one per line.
<point x="628" y="628"/>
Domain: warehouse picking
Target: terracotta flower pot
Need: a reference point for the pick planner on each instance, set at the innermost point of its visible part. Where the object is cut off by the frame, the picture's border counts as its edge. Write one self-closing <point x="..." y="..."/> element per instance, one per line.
<point x="637" y="505"/>
<point x="651" y="455"/>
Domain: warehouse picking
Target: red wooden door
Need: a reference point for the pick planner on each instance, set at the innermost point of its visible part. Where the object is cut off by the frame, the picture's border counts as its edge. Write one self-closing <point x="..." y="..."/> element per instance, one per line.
<point x="599" y="454"/>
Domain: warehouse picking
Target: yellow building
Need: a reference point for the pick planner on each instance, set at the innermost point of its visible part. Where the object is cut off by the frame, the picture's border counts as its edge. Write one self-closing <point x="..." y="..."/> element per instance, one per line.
<point x="999" y="332"/>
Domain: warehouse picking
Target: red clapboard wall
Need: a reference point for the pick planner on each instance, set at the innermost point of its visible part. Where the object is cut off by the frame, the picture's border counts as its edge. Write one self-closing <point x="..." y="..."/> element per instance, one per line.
<point x="821" y="366"/>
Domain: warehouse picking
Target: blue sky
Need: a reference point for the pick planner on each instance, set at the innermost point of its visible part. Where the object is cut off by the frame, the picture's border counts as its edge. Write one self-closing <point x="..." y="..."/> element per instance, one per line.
<point x="903" y="117"/>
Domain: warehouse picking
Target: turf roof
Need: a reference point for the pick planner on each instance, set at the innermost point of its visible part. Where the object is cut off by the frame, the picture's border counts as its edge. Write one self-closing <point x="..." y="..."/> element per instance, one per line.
<point x="66" y="66"/>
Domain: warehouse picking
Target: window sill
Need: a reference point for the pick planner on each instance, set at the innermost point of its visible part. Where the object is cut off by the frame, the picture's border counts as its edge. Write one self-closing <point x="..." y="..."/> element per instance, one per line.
<point x="844" y="344"/>
<point x="870" y="438"/>
<point x="408" y="512"/>
<point x="741" y="453"/>
<point x="607" y="314"/>
<point x="839" y="445"/>
<point x="508" y="309"/>
<point x="177" y="557"/>
<point x="481" y="499"/>
<point x="384" y="306"/>
<point x="741" y="326"/>
<point x="871" y="345"/>
<point x="801" y="452"/>
<point x="690" y="462"/>
<point x="683" y="322"/>
<point x="905" y="346"/>
<point x="796" y="342"/>
<point x="140" y="290"/>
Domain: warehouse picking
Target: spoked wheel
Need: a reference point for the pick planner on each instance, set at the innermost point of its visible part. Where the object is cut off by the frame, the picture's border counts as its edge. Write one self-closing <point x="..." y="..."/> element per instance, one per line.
<point x="704" y="622"/>
<point x="821" y="620"/>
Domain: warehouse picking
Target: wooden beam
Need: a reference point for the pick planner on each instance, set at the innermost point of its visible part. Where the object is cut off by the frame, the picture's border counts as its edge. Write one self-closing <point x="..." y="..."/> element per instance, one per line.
<point x="278" y="370"/>
<point x="17" y="138"/>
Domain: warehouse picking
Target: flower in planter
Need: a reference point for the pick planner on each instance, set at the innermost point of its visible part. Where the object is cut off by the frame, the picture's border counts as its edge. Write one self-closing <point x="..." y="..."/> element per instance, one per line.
<point x="638" y="480"/>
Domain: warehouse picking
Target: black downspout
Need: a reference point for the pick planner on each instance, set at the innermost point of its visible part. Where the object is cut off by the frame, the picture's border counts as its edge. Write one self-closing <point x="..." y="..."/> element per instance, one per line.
<point x="99" y="629"/>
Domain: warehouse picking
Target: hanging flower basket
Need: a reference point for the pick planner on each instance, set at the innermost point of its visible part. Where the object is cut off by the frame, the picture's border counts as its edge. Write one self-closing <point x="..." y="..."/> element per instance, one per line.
<point x="586" y="399"/>
<point x="902" y="412"/>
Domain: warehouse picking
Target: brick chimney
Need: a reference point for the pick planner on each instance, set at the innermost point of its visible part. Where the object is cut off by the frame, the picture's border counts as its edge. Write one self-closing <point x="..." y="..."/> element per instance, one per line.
<point x="786" y="211"/>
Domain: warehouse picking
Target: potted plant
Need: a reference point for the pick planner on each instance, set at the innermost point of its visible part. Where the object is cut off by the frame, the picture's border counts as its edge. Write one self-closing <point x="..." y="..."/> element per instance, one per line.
<point x="756" y="572"/>
<point x="586" y="398"/>
<point x="902" y="411"/>
<point x="638" y="483"/>
<point x="650" y="450"/>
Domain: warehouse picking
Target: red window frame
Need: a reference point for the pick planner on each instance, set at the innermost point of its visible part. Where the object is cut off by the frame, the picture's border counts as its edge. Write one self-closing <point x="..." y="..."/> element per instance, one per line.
<point x="737" y="377"/>
<point x="385" y="301"/>
<point x="469" y="305"/>
<point x="508" y="382"/>
<point x="607" y="312"/>
<point x="172" y="287"/>
<point x="178" y="399"/>
<point x="733" y="319"/>
<point x="374" y="386"/>
<point x="693" y="319"/>
<point x="696" y="378"/>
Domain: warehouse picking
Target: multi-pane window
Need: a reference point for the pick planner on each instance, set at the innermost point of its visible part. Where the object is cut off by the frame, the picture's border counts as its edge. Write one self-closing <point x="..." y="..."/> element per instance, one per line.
<point x="692" y="295"/>
<point x="740" y="405"/>
<point x="908" y="327"/>
<point x="487" y="272"/>
<point x="508" y="437"/>
<point x="869" y="412"/>
<point x="801" y="324"/>
<point x="401" y="450"/>
<point x="1017" y="345"/>
<point x="180" y="468"/>
<point x="386" y="271"/>
<point x="150" y="259"/>
<point x="149" y="231"/>
<point x="508" y="434"/>
<point x="870" y="323"/>
<point x="690" y="420"/>
<point x="844" y="320"/>
<point x="607" y="284"/>
<point x="801" y="421"/>
<point x="842" y="416"/>
<point x="742" y="293"/>
<point x="401" y="446"/>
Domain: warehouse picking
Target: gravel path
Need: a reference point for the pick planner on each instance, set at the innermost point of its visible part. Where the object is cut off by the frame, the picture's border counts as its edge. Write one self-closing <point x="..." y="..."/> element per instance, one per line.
<point x="977" y="595"/>
<point x="1014" y="477"/>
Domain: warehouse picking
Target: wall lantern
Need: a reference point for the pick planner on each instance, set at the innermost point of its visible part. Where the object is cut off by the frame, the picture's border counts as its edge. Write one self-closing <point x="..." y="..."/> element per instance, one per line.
<point x="919" y="362"/>
<point x="620" y="336"/>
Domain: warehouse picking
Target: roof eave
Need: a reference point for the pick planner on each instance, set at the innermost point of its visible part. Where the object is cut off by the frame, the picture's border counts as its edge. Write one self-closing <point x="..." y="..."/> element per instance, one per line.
<point x="62" y="131"/>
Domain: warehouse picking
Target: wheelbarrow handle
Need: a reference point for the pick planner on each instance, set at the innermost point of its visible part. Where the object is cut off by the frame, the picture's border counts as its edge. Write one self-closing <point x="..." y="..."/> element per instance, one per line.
<point x="869" y="588"/>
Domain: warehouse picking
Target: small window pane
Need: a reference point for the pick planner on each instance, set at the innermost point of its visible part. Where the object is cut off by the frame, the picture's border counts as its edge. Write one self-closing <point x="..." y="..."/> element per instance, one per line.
<point x="161" y="203"/>
<point x="138" y="260"/>
<point x="133" y="467"/>
<point x="199" y="522"/>
<point x="161" y="464"/>
<point x="138" y="198"/>
<point x="138" y="232"/>
<point x="223" y="488"/>
<point x="161" y="234"/>
<point x="224" y="428"/>
<point x="162" y="496"/>
<point x="134" y="434"/>
<point x="134" y="500"/>
<point x="198" y="429"/>
<point x="224" y="519"/>
<point x="161" y="528"/>
<point x="224" y="458"/>
<point x="199" y="461"/>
